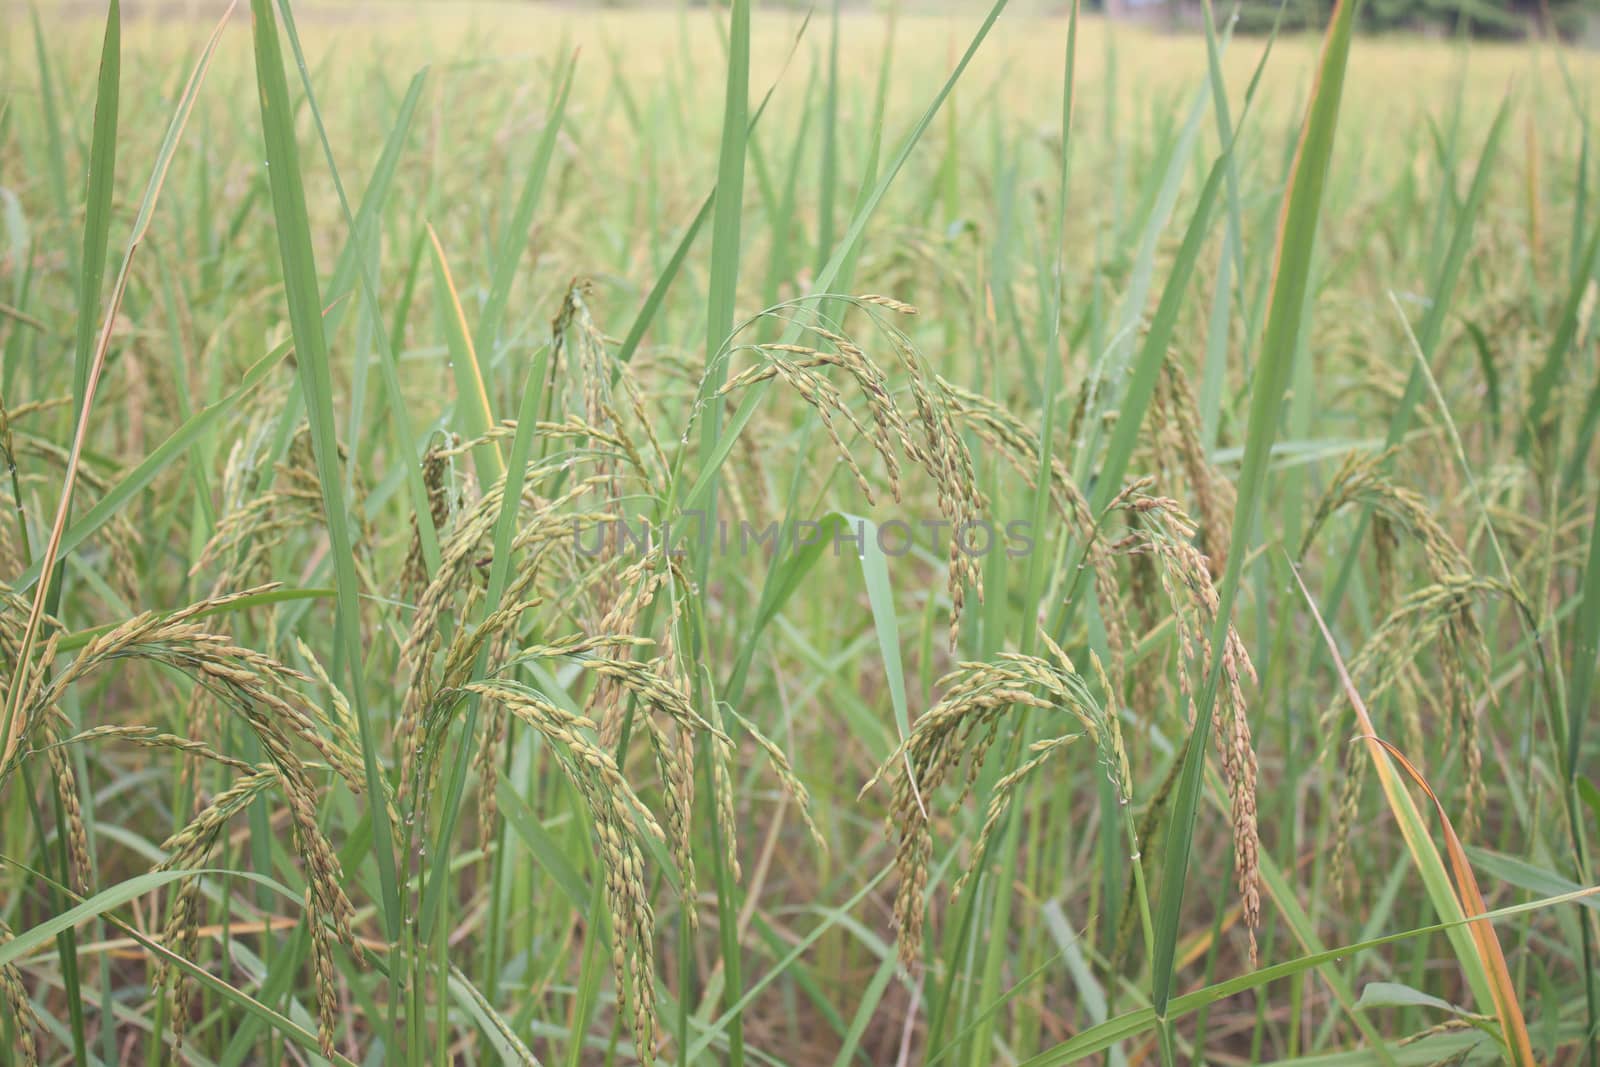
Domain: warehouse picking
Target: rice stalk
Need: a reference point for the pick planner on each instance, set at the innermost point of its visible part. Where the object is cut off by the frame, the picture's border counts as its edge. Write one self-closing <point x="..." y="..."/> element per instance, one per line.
<point x="1401" y="516"/>
<point x="25" y="1023"/>
<point x="934" y="445"/>
<point x="1181" y="460"/>
<point x="1018" y="444"/>
<point x="959" y="730"/>
<point x="1427" y="618"/>
<point x="620" y="818"/>
<point x="1165" y="530"/>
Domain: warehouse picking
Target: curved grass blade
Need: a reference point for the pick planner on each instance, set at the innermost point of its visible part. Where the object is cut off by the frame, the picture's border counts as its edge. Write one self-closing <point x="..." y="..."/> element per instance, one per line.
<point x="1514" y="1028"/>
<point x="1130" y="1024"/>
<point x="114" y="897"/>
<point x="100" y="906"/>
<point x="502" y="1037"/>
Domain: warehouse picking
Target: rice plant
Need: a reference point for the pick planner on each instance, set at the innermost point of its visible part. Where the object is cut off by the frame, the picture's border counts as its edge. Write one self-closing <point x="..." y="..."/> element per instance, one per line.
<point x="740" y="535"/>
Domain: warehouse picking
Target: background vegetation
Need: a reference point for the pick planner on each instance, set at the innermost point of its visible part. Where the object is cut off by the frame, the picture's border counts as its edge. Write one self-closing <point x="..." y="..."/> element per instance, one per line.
<point x="1570" y="20"/>
<point x="325" y="737"/>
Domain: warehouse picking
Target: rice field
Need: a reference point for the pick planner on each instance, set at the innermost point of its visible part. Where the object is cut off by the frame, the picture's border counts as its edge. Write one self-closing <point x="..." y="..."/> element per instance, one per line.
<point x="729" y="536"/>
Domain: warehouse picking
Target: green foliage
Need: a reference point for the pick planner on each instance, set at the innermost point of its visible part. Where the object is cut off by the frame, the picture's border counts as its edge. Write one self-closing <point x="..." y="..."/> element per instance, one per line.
<point x="1502" y="19"/>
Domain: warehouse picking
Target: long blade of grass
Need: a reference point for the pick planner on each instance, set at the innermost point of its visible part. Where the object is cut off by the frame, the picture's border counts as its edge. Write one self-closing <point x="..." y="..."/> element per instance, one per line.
<point x="1297" y="237"/>
<point x="1514" y="1028"/>
<point x="97" y="203"/>
<point x="720" y="298"/>
<point x="1054" y="351"/>
<point x="115" y="897"/>
<point x="360" y="255"/>
<point x="101" y="905"/>
<point x="885" y="625"/>
<point x="828" y="158"/>
<point x="56" y="155"/>
<point x="472" y="393"/>
<point x="91" y="276"/>
<point x="1146" y="368"/>
<point x="725" y="227"/>
<point x="669" y="273"/>
<point x="1109" y="369"/>
<point x="316" y="380"/>
<point x="502" y="1036"/>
